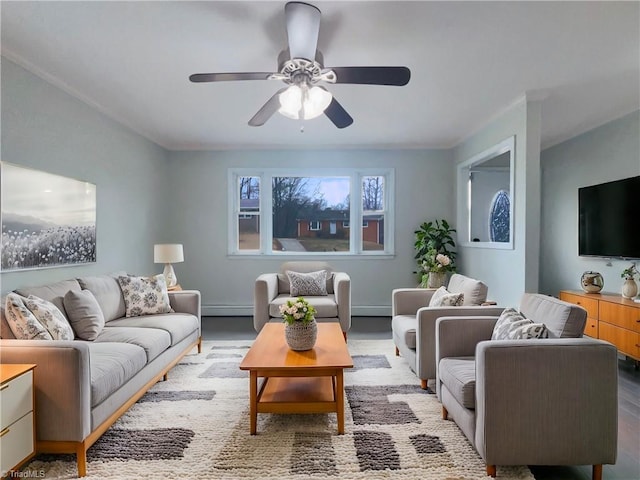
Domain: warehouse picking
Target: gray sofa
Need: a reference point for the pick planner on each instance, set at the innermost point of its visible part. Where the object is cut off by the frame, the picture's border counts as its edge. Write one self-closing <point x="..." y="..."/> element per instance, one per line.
<point x="546" y="401"/>
<point x="413" y="322"/>
<point x="83" y="387"/>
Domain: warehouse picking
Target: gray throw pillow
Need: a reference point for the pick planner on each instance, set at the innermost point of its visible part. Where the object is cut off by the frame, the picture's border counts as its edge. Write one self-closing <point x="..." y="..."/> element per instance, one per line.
<point x="84" y="314"/>
<point x="312" y="283"/>
<point x="443" y="298"/>
<point x="513" y="325"/>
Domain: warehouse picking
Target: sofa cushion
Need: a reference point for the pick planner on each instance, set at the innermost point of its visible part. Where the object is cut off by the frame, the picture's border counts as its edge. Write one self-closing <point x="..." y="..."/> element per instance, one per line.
<point x="513" y="325"/>
<point x="50" y="317"/>
<point x="562" y="319"/>
<point x="458" y="374"/>
<point x="178" y="325"/>
<point x="475" y="292"/>
<point x="304" y="284"/>
<point x="326" y="306"/>
<point x="145" y="295"/>
<point x="53" y="292"/>
<point x="84" y="314"/>
<point x="443" y="298"/>
<point x="404" y="326"/>
<point x="108" y="293"/>
<point x="153" y="340"/>
<point x="23" y="323"/>
<point x="111" y="365"/>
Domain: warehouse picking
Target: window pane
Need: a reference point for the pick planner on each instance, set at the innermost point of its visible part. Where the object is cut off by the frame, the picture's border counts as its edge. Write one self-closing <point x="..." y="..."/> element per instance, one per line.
<point x="373" y="193"/>
<point x="249" y="190"/>
<point x="309" y="214"/>
<point x="373" y="232"/>
<point x="248" y="232"/>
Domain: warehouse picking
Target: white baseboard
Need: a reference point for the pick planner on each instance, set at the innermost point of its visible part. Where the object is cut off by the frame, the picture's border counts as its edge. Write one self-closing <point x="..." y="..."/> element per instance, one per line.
<point x="247" y="310"/>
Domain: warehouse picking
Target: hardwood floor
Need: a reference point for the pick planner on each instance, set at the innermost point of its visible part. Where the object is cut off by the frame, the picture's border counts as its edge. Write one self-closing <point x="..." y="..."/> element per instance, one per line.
<point x="627" y="466"/>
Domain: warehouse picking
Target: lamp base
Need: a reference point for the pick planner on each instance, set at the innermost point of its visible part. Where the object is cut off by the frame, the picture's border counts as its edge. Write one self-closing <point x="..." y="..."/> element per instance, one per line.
<point x="170" y="275"/>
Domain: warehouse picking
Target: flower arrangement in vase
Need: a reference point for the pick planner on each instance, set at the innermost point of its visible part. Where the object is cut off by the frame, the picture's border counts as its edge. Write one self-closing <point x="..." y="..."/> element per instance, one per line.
<point x="433" y="240"/>
<point x="301" y="330"/>
<point x="630" y="287"/>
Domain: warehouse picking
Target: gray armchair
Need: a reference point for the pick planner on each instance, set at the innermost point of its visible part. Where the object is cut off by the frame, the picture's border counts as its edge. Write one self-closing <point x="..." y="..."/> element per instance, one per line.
<point x="531" y="402"/>
<point x="272" y="290"/>
<point x="414" y="323"/>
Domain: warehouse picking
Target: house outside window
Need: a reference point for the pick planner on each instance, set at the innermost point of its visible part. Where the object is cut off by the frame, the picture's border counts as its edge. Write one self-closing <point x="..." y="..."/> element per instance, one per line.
<point x="308" y="212"/>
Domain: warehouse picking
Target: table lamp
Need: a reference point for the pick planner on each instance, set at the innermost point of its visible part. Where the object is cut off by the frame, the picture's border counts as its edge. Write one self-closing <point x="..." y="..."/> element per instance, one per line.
<point x="168" y="253"/>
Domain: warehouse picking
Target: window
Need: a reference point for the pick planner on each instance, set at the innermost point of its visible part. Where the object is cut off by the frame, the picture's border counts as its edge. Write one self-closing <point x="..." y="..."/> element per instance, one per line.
<point x="499" y="217"/>
<point x="309" y="212"/>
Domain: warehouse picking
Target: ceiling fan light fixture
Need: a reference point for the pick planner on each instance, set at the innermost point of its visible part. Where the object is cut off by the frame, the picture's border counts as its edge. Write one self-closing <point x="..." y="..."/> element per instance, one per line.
<point x="303" y="103"/>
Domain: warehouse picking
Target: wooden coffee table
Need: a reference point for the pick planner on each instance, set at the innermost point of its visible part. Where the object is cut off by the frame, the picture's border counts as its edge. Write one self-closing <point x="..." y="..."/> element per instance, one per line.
<point x="311" y="381"/>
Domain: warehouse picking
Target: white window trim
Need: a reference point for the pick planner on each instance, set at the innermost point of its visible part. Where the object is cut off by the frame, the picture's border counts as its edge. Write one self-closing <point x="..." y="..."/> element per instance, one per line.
<point x="318" y="223"/>
<point x="356" y="212"/>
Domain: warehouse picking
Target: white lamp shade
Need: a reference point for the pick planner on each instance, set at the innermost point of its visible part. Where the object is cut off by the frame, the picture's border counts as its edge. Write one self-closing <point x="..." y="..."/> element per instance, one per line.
<point x="168" y="253"/>
<point x="296" y="103"/>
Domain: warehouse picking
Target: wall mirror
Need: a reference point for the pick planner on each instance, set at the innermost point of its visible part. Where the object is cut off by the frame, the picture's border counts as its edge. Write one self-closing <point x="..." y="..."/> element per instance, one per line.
<point x="485" y="198"/>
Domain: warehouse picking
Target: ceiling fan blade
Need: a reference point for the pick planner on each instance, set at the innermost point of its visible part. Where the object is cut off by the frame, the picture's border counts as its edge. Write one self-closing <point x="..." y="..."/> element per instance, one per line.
<point x="397" y="76"/>
<point x="267" y="110"/>
<point x="303" y="26"/>
<point x="227" y="77"/>
<point x="337" y="114"/>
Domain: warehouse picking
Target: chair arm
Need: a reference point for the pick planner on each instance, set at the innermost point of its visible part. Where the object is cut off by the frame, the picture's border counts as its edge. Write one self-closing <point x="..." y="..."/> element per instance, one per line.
<point x="547" y="402"/>
<point x="265" y="290"/>
<point x="407" y="301"/>
<point x="186" y="301"/>
<point x="459" y="336"/>
<point x="62" y="381"/>
<point x="342" y="292"/>
<point x="426" y="332"/>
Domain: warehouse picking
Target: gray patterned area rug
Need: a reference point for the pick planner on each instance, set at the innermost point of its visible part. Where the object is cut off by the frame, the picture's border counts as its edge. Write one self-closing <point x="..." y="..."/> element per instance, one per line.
<point x="196" y="425"/>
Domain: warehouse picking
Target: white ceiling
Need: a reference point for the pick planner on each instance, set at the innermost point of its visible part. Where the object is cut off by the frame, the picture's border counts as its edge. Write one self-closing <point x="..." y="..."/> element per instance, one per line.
<point x="469" y="61"/>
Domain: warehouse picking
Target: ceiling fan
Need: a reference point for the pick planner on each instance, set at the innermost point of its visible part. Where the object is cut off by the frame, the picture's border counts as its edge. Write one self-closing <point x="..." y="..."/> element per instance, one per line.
<point x="301" y="67"/>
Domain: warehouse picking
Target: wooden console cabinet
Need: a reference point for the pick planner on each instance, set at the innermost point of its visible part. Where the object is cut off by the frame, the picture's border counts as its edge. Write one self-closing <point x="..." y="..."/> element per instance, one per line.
<point x="17" y="435"/>
<point x="610" y="317"/>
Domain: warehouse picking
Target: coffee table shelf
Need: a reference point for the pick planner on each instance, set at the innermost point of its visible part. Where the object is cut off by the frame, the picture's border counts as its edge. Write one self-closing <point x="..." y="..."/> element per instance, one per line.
<point x="297" y="382"/>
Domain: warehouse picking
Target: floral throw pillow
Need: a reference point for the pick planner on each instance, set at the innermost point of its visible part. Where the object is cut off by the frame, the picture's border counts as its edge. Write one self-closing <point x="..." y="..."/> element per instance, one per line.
<point x="312" y="284"/>
<point x="23" y="324"/>
<point x="50" y="317"/>
<point x="145" y="295"/>
<point x="513" y="325"/>
<point x="443" y="298"/>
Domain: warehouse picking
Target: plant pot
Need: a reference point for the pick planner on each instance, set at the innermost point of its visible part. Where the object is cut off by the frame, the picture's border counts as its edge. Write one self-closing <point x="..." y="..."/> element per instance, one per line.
<point x="436" y="279"/>
<point x="629" y="288"/>
<point x="300" y="336"/>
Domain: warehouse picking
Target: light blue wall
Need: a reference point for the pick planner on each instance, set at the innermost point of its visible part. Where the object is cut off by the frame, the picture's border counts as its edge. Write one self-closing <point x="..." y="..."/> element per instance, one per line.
<point x="508" y="273"/>
<point x="607" y="153"/>
<point x="49" y="130"/>
<point x="423" y="180"/>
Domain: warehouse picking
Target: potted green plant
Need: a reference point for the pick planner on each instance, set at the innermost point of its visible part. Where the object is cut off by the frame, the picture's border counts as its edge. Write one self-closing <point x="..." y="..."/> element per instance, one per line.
<point x="434" y="255"/>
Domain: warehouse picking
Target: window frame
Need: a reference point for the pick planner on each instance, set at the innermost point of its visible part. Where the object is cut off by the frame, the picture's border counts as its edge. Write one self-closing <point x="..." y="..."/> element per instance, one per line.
<point x="356" y="212"/>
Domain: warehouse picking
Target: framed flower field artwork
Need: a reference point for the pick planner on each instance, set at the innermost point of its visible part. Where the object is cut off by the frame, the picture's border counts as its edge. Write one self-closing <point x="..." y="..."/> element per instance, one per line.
<point x="47" y="220"/>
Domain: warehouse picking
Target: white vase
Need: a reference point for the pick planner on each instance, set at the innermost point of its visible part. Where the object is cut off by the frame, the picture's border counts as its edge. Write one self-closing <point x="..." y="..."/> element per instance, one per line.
<point x="629" y="288"/>
<point x="300" y="336"/>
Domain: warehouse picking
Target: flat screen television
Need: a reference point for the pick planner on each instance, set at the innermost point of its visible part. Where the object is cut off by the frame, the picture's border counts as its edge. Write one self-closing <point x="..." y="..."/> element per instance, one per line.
<point x="609" y="219"/>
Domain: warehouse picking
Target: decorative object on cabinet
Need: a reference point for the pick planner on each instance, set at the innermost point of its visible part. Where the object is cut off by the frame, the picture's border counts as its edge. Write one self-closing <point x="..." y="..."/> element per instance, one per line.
<point x="610" y="317"/>
<point x="591" y="282"/>
<point x="17" y="431"/>
<point x="629" y="287"/>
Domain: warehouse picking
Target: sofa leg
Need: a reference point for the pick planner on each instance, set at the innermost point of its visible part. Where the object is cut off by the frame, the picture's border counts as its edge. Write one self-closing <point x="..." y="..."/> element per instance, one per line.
<point x="491" y="471"/>
<point x="200" y="345"/>
<point x="423" y="384"/>
<point x="597" y="472"/>
<point x="344" y="334"/>
<point x="397" y="352"/>
<point x="445" y="414"/>
<point x="165" y="377"/>
<point x="81" y="459"/>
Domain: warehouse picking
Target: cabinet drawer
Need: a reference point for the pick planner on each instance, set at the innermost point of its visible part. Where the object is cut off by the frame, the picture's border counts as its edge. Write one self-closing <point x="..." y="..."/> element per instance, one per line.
<point x="624" y="316"/>
<point x="16" y="443"/>
<point x="591" y="328"/>
<point x="626" y="341"/>
<point x="16" y="399"/>
<point x="589" y="304"/>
